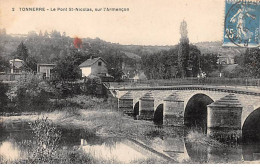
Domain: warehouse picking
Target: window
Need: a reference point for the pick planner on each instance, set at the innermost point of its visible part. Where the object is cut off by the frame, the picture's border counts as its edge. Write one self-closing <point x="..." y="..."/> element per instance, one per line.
<point x="99" y="63"/>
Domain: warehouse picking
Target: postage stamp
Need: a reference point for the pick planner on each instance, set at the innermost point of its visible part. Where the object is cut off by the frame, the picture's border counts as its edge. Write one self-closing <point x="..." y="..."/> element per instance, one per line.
<point x="242" y="23"/>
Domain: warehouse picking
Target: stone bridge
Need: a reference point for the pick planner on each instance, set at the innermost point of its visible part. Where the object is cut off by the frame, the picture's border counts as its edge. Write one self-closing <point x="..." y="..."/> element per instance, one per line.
<point x="220" y="110"/>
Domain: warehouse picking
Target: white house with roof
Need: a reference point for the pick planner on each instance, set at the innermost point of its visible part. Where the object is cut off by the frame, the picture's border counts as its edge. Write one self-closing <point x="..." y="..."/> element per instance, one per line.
<point x="16" y="66"/>
<point x="94" y="66"/>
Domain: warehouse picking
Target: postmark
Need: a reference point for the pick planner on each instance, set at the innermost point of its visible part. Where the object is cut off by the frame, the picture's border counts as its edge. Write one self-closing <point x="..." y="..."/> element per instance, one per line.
<point x="242" y="23"/>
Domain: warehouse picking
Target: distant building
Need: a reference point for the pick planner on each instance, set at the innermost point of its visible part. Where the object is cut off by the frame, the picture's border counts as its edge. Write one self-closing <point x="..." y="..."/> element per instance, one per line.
<point x="94" y="66"/>
<point x="45" y="70"/>
<point x="16" y="66"/>
<point x="226" y="60"/>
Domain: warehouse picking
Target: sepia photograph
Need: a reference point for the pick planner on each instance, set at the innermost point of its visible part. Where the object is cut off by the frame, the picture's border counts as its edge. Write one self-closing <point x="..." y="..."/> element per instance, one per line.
<point x="130" y="82"/>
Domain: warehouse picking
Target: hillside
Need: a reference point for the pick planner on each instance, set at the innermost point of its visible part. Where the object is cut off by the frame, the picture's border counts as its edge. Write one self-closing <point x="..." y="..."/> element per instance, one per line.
<point x="46" y="48"/>
<point x="216" y="47"/>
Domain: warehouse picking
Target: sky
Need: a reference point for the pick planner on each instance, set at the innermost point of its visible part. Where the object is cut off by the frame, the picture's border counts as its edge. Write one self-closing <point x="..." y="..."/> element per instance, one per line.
<point x="148" y="22"/>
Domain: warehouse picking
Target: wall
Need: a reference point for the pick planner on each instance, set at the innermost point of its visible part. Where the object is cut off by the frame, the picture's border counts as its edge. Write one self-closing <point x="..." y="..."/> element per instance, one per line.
<point x="86" y="71"/>
<point x="97" y="70"/>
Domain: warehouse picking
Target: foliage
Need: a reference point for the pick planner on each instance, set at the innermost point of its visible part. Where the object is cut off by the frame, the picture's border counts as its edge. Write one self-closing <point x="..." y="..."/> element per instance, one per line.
<point x="208" y="62"/>
<point x="161" y="65"/>
<point x="248" y="64"/>
<point x="252" y="62"/>
<point x="183" y="58"/>
<point x="45" y="147"/>
<point x="164" y="64"/>
<point x="31" y="93"/>
<point x="4" y="64"/>
<point x="30" y="63"/>
<point x="67" y="67"/>
<point x="114" y="60"/>
<point x="3" y="97"/>
<point x="184" y="63"/>
<point x="80" y="102"/>
<point x="46" y="139"/>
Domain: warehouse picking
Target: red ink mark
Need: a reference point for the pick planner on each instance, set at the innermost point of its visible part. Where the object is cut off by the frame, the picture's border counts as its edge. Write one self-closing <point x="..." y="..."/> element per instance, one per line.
<point x="77" y="42"/>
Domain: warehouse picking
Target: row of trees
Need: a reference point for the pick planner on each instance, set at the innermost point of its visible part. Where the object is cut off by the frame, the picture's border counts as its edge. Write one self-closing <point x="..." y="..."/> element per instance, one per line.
<point x="248" y="65"/>
<point x="184" y="60"/>
<point x="165" y="64"/>
<point x="46" y="34"/>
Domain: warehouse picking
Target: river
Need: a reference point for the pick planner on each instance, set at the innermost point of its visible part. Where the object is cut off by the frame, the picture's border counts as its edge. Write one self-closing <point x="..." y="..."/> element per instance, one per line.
<point x="121" y="150"/>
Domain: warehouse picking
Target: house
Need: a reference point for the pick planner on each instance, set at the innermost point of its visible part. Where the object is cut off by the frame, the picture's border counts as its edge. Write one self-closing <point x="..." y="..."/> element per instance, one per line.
<point x="16" y="66"/>
<point x="45" y="70"/>
<point x="94" y="66"/>
<point x="227" y="59"/>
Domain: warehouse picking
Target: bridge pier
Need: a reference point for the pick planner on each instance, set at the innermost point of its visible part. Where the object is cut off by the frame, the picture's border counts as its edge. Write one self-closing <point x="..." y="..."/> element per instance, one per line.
<point x="125" y="104"/>
<point x="146" y="110"/>
<point x="173" y="113"/>
<point x="224" y="119"/>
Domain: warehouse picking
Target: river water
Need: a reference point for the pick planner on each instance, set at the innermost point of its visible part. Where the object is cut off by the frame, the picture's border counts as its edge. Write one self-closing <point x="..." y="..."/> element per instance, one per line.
<point x="119" y="150"/>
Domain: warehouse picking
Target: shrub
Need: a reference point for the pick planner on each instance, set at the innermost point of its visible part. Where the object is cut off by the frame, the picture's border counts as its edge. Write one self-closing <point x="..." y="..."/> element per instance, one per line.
<point x="46" y="139"/>
<point x="45" y="146"/>
<point x="31" y="94"/>
<point x="3" y="97"/>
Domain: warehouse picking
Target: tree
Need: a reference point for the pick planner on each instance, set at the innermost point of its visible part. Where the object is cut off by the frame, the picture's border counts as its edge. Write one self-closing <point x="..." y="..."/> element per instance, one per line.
<point x="30" y="63"/>
<point x="193" y="62"/>
<point x="3" y="97"/>
<point x="55" y="34"/>
<point x="46" y="34"/>
<point x="67" y="67"/>
<point x="32" y="34"/>
<point x="4" y="64"/>
<point x="252" y="62"/>
<point x="22" y="52"/>
<point x="40" y="33"/>
<point x="208" y="62"/>
<point x="183" y="52"/>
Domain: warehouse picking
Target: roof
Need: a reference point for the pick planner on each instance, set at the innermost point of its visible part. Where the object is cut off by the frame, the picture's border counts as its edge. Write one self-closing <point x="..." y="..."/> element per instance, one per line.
<point x="16" y="60"/>
<point x="148" y="97"/>
<point x="127" y="96"/>
<point x="42" y="64"/>
<point x="227" y="101"/>
<point x="132" y="55"/>
<point x="91" y="61"/>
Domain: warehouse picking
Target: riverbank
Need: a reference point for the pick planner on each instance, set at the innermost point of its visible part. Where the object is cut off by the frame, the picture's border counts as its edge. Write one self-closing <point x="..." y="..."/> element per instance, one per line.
<point x="101" y="118"/>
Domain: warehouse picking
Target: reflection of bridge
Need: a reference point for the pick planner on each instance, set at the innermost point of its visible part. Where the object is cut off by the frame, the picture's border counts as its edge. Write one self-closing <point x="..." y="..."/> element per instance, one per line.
<point x="225" y="110"/>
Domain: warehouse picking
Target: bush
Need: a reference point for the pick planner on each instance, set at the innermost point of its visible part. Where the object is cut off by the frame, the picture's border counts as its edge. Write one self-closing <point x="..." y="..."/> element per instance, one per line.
<point x="3" y="97"/>
<point x="32" y="94"/>
<point x="83" y="102"/>
<point x="45" y="146"/>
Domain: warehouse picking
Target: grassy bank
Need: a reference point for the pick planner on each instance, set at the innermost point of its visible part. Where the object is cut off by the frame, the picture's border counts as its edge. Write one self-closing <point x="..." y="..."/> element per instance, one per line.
<point x="99" y="117"/>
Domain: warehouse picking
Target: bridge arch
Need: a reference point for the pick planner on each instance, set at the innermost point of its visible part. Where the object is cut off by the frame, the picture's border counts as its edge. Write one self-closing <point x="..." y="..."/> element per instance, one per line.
<point x="251" y="127"/>
<point x="158" y="114"/>
<point x="195" y="113"/>
<point x="251" y="136"/>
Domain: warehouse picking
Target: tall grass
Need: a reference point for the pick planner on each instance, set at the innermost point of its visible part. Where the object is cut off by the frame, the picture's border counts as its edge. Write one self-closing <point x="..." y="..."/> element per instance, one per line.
<point x="45" y="146"/>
